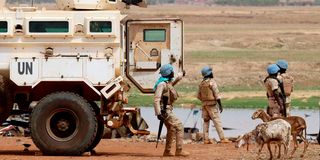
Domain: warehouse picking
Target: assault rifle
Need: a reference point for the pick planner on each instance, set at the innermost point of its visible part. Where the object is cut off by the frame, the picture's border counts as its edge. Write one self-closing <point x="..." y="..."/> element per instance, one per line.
<point x="163" y="112"/>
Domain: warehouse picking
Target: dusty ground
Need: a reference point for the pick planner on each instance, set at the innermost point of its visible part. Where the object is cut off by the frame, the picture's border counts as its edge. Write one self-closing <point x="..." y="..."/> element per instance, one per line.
<point x="11" y="148"/>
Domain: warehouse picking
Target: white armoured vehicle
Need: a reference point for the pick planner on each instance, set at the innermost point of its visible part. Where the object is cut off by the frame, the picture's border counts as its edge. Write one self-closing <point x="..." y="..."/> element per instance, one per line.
<point x="60" y="63"/>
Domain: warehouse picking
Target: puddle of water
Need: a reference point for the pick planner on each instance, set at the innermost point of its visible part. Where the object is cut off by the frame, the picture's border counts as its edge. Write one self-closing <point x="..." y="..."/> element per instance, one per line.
<point x="237" y="119"/>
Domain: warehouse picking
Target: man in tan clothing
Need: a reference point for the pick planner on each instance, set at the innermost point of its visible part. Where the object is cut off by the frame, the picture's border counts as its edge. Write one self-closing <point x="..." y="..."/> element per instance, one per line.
<point x="164" y="91"/>
<point x="287" y="83"/>
<point x="209" y="95"/>
<point x="274" y="94"/>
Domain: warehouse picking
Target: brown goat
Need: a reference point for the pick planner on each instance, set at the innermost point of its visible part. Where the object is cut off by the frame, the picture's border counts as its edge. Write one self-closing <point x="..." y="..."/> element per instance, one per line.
<point x="298" y="125"/>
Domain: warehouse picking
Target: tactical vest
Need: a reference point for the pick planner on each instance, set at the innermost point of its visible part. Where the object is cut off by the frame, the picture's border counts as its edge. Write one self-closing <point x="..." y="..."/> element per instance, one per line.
<point x="171" y="93"/>
<point x="287" y="84"/>
<point x="206" y="93"/>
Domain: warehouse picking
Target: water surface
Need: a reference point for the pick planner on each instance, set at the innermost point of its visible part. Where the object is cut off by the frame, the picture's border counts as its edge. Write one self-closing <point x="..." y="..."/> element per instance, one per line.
<point x="239" y="120"/>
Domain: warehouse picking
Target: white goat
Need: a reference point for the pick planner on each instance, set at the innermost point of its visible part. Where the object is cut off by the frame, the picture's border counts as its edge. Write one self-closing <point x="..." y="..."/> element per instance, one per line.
<point x="298" y="128"/>
<point x="278" y="131"/>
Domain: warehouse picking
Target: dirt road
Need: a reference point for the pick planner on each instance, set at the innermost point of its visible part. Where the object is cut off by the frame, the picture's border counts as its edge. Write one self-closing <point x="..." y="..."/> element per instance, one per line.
<point x="12" y="148"/>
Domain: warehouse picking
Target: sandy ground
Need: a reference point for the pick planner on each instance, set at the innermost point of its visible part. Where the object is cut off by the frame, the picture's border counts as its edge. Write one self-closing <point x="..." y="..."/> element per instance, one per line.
<point x="11" y="148"/>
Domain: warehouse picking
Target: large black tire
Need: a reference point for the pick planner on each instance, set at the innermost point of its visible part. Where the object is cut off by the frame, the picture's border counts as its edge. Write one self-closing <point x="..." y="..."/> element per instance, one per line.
<point x="6" y="103"/>
<point x="100" y="130"/>
<point x="63" y="123"/>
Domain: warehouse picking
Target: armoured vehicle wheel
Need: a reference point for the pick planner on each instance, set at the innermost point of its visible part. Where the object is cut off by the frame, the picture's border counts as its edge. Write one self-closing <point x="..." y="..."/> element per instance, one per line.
<point x="63" y="123"/>
<point x="5" y="99"/>
<point x="100" y="130"/>
<point x="99" y="135"/>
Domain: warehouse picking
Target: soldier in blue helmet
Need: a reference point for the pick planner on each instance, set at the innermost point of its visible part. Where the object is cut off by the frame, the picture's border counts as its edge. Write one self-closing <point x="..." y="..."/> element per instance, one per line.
<point x="286" y="81"/>
<point x="166" y="94"/>
<point x="210" y="97"/>
<point x="275" y="98"/>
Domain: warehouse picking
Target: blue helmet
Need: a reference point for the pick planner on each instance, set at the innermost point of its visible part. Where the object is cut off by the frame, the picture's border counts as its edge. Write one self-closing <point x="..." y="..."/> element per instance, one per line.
<point x="273" y="69"/>
<point x="166" y="70"/>
<point x="206" y="71"/>
<point x="283" y="64"/>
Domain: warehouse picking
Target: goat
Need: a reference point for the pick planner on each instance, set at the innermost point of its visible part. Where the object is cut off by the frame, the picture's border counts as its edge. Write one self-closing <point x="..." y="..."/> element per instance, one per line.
<point x="298" y="125"/>
<point x="274" y="131"/>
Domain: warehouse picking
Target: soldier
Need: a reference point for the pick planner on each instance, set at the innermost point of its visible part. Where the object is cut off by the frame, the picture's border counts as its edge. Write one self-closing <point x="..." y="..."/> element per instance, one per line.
<point x="164" y="91"/>
<point x="286" y="82"/>
<point x="275" y="97"/>
<point x="209" y="95"/>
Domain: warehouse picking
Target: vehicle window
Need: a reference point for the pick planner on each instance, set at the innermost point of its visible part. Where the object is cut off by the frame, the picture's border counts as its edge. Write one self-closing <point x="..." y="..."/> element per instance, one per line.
<point x="154" y="35"/>
<point x="101" y="26"/>
<point x="48" y="26"/>
<point x="3" y="26"/>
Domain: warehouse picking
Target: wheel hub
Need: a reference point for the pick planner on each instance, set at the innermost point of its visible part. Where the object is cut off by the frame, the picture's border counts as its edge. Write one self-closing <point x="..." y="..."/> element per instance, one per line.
<point x="62" y="125"/>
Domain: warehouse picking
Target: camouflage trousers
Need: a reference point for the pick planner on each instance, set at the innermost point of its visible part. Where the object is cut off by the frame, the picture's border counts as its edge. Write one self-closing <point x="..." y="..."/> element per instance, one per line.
<point x="174" y="131"/>
<point x="210" y="112"/>
<point x="274" y="109"/>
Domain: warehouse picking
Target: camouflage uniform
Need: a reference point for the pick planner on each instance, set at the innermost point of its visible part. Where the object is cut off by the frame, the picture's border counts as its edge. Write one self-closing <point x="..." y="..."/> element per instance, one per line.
<point x="172" y="123"/>
<point x="287" y="82"/>
<point x="274" y="109"/>
<point x="209" y="94"/>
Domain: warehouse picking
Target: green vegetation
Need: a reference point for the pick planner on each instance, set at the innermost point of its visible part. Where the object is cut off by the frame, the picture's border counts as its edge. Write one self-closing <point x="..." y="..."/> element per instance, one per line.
<point x="138" y="99"/>
<point x="307" y="103"/>
<point x="192" y="87"/>
<point x="251" y="55"/>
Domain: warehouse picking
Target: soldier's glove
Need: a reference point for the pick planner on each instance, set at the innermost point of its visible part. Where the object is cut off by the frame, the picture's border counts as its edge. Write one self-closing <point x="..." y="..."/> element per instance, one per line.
<point x="161" y="117"/>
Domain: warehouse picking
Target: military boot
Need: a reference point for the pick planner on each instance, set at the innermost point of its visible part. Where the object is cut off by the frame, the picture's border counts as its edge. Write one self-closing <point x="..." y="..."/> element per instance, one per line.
<point x="208" y="141"/>
<point x="182" y="153"/>
<point x="167" y="153"/>
<point x="225" y="141"/>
